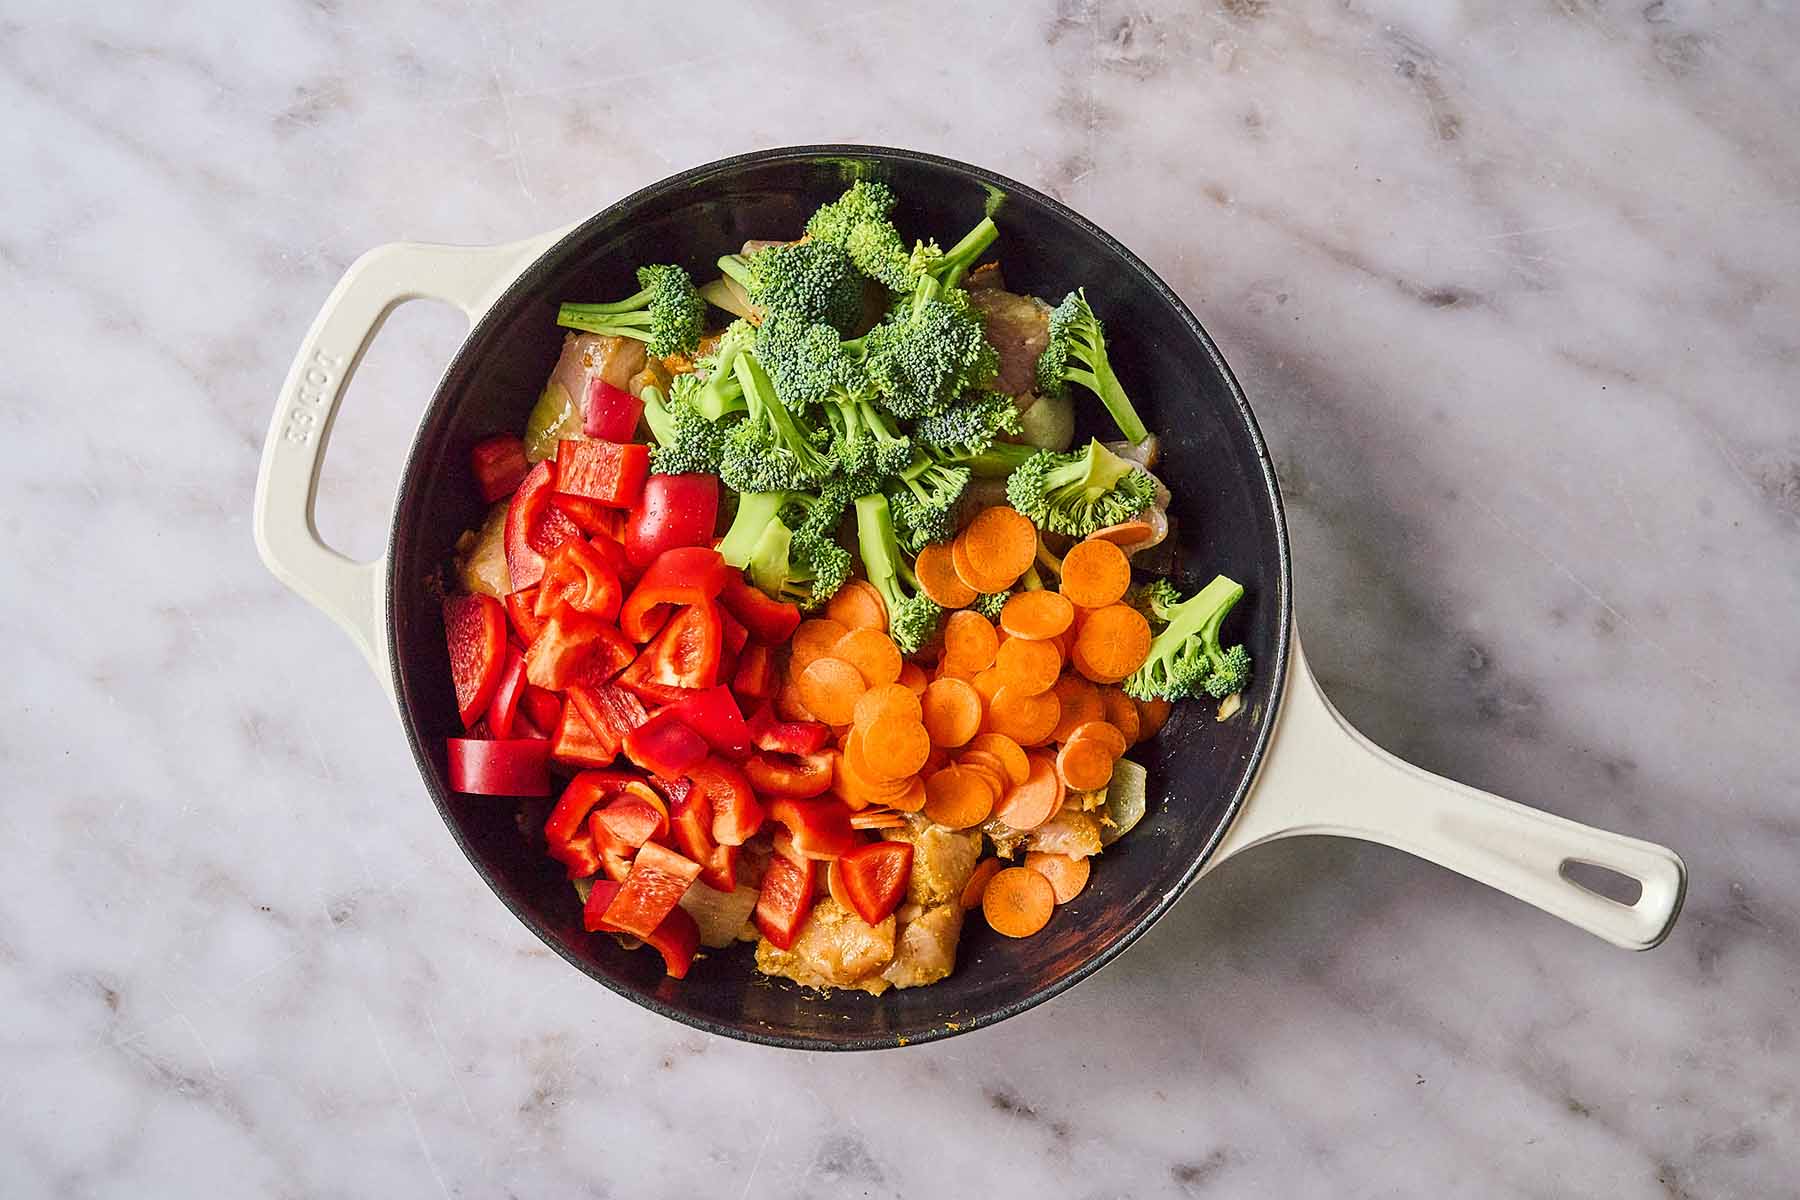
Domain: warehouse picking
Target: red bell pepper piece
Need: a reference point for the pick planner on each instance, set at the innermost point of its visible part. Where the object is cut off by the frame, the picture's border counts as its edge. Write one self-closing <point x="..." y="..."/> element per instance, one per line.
<point x="575" y="744"/>
<point x="769" y="620"/>
<point x="566" y="831"/>
<point x="736" y="812"/>
<point x="658" y="878"/>
<point x="677" y="938"/>
<point x="636" y="678"/>
<point x="610" y="473"/>
<point x="499" y="465"/>
<point x="713" y="714"/>
<point x="819" y="828"/>
<point x="685" y="575"/>
<point x="675" y="510"/>
<point x="627" y="822"/>
<point x="611" y="712"/>
<point x="578" y="574"/>
<point x="790" y="776"/>
<point x="786" y="737"/>
<point x="785" y="901"/>
<point x="755" y="675"/>
<point x="686" y="653"/>
<point x="576" y="647"/>
<point x="610" y="413"/>
<point x="690" y="822"/>
<point x="475" y="631"/>
<point x="593" y="913"/>
<point x="542" y="708"/>
<point x="534" y="527"/>
<point x="664" y="746"/>
<point x="521" y="611"/>
<point x="735" y="635"/>
<point x="503" y="709"/>
<point x="875" y="878"/>
<point x="505" y="767"/>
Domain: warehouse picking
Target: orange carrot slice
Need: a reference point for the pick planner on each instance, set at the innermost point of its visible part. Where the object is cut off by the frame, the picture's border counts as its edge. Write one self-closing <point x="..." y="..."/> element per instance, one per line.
<point x="1028" y="667"/>
<point x="952" y="711"/>
<point x="987" y="683"/>
<point x="896" y="747"/>
<point x="1104" y="732"/>
<point x="993" y="777"/>
<point x="1080" y="704"/>
<point x="1018" y="902"/>
<point x="965" y="570"/>
<point x="1012" y="757"/>
<point x="1027" y="720"/>
<point x="1066" y="873"/>
<point x="857" y="605"/>
<point x="1113" y="642"/>
<point x="1000" y="544"/>
<point x="1037" y="615"/>
<point x="813" y="638"/>
<point x="1095" y="573"/>
<point x="1036" y="800"/>
<point x="834" y="881"/>
<point x="830" y="687"/>
<point x="957" y="798"/>
<point x="1125" y="533"/>
<point x="912" y="678"/>
<point x="876" y="819"/>
<point x="788" y="704"/>
<point x="938" y="578"/>
<point x="1085" y="764"/>
<point x="872" y="652"/>
<point x="1154" y="715"/>
<point x="912" y="799"/>
<point x="886" y="700"/>
<point x="969" y="641"/>
<point x="1122" y="713"/>
<point x="972" y="890"/>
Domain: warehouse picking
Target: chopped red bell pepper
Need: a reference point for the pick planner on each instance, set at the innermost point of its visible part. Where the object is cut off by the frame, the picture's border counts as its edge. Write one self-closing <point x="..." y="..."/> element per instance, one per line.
<point x="504" y="767"/>
<point x="819" y="828"/>
<point x="735" y="635"/>
<point x="611" y="712"/>
<point x="578" y="574"/>
<point x="713" y="714"/>
<point x="576" y="647"/>
<point x="664" y="746"/>
<point x="534" y="527"/>
<point x="685" y="575"/>
<point x="636" y="679"/>
<point x="499" y="465"/>
<point x="793" y="776"/>
<point x="686" y="653"/>
<point x="675" y="510"/>
<point x="610" y="473"/>
<point x="736" y="812"/>
<point x="654" y="887"/>
<point x="542" y="708"/>
<point x="521" y="611"/>
<point x="593" y="913"/>
<point x="503" y="709"/>
<point x="690" y="821"/>
<point x="626" y="823"/>
<point x="475" y="631"/>
<point x="755" y="677"/>
<point x="875" y="878"/>
<point x="786" y="737"/>
<point x="677" y="938"/>
<point x="610" y="413"/>
<point x="785" y="901"/>
<point x="575" y="744"/>
<point x="769" y="620"/>
<point x="580" y="797"/>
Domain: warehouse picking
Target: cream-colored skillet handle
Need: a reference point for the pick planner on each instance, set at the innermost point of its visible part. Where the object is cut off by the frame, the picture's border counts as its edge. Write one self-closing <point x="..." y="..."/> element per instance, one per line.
<point x="347" y="591"/>
<point x="1321" y="776"/>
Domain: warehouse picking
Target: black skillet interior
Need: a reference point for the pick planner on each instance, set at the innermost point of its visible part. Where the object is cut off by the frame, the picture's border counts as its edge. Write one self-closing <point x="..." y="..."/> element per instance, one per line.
<point x="1228" y="520"/>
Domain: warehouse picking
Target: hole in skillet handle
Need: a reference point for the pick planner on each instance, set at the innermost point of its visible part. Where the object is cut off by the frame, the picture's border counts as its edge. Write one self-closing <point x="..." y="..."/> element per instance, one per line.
<point x="1602" y="881"/>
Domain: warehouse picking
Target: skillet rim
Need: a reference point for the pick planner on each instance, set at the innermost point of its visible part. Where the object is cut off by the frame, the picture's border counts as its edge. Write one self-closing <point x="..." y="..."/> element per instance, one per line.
<point x="526" y="282"/>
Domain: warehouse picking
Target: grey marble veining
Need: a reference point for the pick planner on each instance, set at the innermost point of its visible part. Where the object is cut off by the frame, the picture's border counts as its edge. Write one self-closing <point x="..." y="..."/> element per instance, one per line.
<point x="1515" y="289"/>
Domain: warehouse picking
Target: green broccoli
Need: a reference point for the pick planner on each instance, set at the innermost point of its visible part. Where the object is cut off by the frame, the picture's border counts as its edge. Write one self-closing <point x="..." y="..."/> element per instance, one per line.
<point x="1154" y="600"/>
<point x="865" y="443"/>
<point x="784" y="539"/>
<point x="927" y="352"/>
<point x="713" y="388"/>
<point x="666" y="312"/>
<point x="807" y="361"/>
<point x="1186" y="658"/>
<point x="813" y="280"/>
<point x="968" y="427"/>
<point x="866" y="200"/>
<point x="769" y="452"/>
<point x="1077" y="352"/>
<point x="685" y="440"/>
<point x="989" y="604"/>
<point x="1075" y="494"/>
<point x="923" y="503"/>
<point x="912" y="617"/>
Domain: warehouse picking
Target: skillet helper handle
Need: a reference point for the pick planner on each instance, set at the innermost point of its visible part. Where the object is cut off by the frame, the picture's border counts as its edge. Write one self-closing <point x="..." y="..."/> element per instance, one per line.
<point x="1323" y="777"/>
<point x="287" y="483"/>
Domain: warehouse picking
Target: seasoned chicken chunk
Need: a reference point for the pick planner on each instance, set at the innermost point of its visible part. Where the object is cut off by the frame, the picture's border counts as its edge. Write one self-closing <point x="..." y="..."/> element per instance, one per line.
<point x="925" y="950"/>
<point x="836" y="948"/>
<point x="588" y="356"/>
<point x="1018" y="328"/>
<point x="943" y="860"/>
<point x="1070" y="832"/>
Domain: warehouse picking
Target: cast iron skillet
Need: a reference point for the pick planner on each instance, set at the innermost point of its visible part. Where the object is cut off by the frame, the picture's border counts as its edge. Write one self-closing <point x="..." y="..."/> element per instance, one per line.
<point x="1228" y="518"/>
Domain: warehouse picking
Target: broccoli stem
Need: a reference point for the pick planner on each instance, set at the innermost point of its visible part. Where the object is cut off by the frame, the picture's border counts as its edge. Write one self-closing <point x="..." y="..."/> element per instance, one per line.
<point x="1104" y="384"/>
<point x="756" y="512"/>
<point x="998" y="460"/>
<point x="962" y="256"/>
<point x="657" y="416"/>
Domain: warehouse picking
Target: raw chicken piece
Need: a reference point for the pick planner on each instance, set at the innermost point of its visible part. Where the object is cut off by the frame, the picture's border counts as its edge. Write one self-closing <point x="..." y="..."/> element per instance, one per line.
<point x="943" y="860"/>
<point x="836" y="948"/>
<point x="1070" y="832"/>
<point x="925" y="950"/>
<point x="586" y="355"/>
<point x="723" y="917"/>
<point x="1018" y="328"/>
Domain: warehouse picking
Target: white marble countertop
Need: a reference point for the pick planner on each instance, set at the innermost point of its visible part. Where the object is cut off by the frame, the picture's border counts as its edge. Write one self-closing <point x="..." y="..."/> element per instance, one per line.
<point x="1513" y="288"/>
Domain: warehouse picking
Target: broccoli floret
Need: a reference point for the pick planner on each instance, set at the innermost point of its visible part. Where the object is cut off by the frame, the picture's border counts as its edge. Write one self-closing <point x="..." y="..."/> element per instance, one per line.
<point x="863" y="201"/>
<point x="685" y="441"/>
<point x="769" y="452"/>
<point x="807" y="361"/>
<point x="713" y="388"/>
<point x="1077" y="352"/>
<point x="928" y="352"/>
<point x="1075" y="494"/>
<point x="784" y="540"/>
<point x="989" y="604"/>
<point x="924" y="503"/>
<point x="997" y="461"/>
<point x="814" y="280"/>
<point x="1155" y="600"/>
<point x="912" y="617"/>
<point x="865" y="443"/>
<point x="1186" y="658"/>
<point x="666" y="311"/>
<point x="968" y="427"/>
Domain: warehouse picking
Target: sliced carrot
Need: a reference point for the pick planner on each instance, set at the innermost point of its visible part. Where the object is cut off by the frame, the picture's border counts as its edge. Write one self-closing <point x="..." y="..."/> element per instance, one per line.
<point x="872" y="652"/>
<point x="1095" y="573"/>
<point x="965" y="570"/>
<point x="1125" y="533"/>
<point x="971" y="757"/>
<point x="1121" y="712"/>
<point x="1080" y="704"/>
<point x="788" y="704"/>
<point x="992" y="777"/>
<point x="969" y="641"/>
<point x="1027" y="667"/>
<point x="1114" y="641"/>
<point x="952" y="711"/>
<point x="830" y="687"/>
<point x="1000" y="543"/>
<point x="1066" y="873"/>
<point x="937" y="760"/>
<point x="814" y="638"/>
<point x="972" y="890"/>
<point x="1018" y="902"/>
<point x="912" y="799"/>
<point x="987" y="683"/>
<point x="938" y="578"/>
<point x="876" y="819"/>
<point x="895" y="747"/>
<point x="1037" y="615"/>
<point x="834" y="882"/>
<point x="865" y="780"/>
<point x="912" y="678"/>
<point x="857" y="605"/>
<point x="1153" y="715"/>
<point x="1104" y="732"/>
<point x="1011" y="757"/>
<point x="957" y="798"/>
<point x="1027" y="720"/>
<point x="1085" y="764"/>
<point x="887" y="700"/>
<point x="1036" y="800"/>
